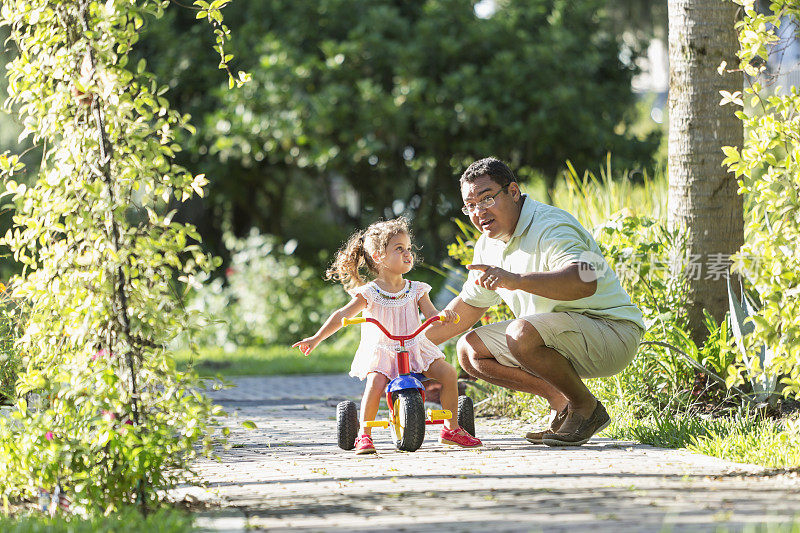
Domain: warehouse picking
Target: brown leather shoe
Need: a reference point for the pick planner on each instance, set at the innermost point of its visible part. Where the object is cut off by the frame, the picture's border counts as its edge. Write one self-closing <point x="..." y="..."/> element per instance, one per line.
<point x="577" y="430"/>
<point x="535" y="437"/>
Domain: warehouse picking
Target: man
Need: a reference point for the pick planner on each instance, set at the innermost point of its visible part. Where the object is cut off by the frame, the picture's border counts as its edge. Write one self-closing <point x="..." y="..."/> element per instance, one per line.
<point x="573" y="318"/>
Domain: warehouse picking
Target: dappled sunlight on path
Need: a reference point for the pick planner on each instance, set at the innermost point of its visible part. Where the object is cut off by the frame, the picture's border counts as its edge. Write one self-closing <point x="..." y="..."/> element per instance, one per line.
<point x="289" y="473"/>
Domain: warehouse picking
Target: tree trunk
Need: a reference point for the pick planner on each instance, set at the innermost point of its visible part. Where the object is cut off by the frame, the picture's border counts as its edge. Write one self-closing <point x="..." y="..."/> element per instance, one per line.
<point x="702" y="194"/>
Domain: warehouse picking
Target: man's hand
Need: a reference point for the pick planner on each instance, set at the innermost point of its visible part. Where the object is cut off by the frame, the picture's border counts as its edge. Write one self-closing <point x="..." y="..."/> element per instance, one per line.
<point x="442" y="331"/>
<point x="448" y="315"/>
<point x="493" y="278"/>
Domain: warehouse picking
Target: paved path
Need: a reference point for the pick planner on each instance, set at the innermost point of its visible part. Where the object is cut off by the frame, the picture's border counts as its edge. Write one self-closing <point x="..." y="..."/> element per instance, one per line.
<point x="289" y="474"/>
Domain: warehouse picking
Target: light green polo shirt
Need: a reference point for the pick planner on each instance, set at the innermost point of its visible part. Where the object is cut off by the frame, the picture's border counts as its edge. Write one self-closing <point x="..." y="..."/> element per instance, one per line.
<point x="548" y="238"/>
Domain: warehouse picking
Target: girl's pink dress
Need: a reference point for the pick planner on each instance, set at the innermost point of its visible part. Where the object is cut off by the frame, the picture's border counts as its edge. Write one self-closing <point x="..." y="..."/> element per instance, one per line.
<point x="400" y="316"/>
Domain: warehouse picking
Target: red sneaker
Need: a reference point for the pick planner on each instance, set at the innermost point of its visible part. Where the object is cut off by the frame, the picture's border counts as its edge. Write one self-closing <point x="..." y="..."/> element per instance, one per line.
<point x="458" y="437"/>
<point x="364" y="445"/>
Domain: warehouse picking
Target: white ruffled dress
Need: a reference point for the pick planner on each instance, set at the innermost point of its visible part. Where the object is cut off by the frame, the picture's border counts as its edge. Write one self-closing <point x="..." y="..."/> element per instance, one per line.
<point x="399" y="314"/>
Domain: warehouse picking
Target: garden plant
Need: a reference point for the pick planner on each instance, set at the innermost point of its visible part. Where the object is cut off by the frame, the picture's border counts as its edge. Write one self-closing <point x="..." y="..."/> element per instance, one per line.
<point x="101" y="413"/>
<point x="11" y="318"/>
<point x="768" y="169"/>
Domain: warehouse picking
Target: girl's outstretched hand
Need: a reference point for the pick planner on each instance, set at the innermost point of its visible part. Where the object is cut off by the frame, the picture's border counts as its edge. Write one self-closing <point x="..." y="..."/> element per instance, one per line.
<point x="306" y="345"/>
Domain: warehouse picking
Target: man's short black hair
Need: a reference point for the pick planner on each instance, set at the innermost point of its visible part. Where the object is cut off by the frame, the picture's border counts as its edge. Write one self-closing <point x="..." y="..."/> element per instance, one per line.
<point x="489" y="166"/>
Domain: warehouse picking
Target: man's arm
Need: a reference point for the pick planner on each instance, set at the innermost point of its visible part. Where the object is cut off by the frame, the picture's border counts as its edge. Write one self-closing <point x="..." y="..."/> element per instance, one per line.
<point x="573" y="282"/>
<point x="442" y="331"/>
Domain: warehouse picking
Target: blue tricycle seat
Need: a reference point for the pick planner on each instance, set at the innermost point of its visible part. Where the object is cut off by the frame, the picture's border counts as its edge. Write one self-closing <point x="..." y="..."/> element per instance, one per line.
<point x="407" y="381"/>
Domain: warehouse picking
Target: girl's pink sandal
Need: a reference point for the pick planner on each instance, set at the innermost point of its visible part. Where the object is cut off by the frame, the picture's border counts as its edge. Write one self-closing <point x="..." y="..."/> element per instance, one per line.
<point x="458" y="437"/>
<point x="364" y="445"/>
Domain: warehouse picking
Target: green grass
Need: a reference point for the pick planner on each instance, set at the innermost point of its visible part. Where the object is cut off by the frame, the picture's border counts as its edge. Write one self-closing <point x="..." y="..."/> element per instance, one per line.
<point x="793" y="527"/>
<point x="767" y="443"/>
<point x="593" y="199"/>
<point x="262" y="361"/>
<point x="739" y="438"/>
<point x="129" y="521"/>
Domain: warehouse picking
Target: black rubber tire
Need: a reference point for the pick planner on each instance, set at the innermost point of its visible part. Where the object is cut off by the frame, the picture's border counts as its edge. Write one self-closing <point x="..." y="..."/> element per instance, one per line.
<point x="347" y="424"/>
<point x="466" y="414"/>
<point x="410" y="413"/>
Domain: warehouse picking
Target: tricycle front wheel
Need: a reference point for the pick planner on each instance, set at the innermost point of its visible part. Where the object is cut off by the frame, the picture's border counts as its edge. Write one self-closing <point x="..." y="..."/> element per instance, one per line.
<point x="408" y="419"/>
<point x="347" y="424"/>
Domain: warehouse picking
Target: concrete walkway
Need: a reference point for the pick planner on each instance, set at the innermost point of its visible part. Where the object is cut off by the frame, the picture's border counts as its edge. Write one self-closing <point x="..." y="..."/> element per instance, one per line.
<point x="289" y="474"/>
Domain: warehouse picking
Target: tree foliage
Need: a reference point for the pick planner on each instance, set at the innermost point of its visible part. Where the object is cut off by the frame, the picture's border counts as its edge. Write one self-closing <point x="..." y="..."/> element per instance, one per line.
<point x="103" y="261"/>
<point x="768" y="169"/>
<point x="360" y="109"/>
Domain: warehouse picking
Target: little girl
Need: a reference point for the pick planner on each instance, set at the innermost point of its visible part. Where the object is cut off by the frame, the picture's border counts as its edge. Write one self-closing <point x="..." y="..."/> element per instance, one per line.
<point x="384" y="248"/>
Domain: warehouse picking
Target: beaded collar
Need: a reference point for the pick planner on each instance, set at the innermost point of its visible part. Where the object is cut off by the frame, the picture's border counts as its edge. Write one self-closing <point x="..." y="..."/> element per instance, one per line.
<point x="395" y="296"/>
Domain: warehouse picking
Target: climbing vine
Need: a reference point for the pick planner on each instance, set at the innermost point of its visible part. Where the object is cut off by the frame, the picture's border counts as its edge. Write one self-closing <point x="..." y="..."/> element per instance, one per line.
<point x="102" y="414"/>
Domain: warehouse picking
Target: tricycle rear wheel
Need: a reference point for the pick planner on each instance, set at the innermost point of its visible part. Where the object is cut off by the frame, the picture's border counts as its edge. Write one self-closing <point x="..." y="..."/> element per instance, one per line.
<point x="466" y="414"/>
<point x="408" y="420"/>
<point x="347" y="424"/>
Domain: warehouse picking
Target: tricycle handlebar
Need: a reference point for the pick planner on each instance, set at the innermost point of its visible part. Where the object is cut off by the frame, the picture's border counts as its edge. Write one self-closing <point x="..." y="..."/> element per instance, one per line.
<point x="401" y="338"/>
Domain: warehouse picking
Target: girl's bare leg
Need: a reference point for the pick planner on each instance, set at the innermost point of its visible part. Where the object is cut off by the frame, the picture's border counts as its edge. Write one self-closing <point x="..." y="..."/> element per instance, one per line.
<point x="376" y="384"/>
<point x="444" y="373"/>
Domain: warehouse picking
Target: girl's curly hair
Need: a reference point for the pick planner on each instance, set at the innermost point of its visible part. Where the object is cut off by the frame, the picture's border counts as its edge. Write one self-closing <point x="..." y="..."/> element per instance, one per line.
<point x="356" y="254"/>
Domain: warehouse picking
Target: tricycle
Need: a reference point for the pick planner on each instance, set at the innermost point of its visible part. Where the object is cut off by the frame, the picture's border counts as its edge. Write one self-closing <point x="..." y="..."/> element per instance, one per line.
<point x="405" y="396"/>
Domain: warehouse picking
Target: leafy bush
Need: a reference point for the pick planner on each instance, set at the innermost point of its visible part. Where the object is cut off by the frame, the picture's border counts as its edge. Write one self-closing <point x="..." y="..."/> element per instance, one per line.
<point x="646" y="257"/>
<point x="115" y="423"/>
<point x="265" y="297"/>
<point x="11" y="318"/>
<point x="768" y="170"/>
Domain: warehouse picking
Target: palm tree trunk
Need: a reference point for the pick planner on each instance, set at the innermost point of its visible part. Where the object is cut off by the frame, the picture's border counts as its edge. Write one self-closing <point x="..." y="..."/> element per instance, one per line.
<point x="702" y="195"/>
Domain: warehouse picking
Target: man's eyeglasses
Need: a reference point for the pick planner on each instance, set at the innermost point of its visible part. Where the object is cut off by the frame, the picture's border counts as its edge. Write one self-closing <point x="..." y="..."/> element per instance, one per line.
<point x="486" y="203"/>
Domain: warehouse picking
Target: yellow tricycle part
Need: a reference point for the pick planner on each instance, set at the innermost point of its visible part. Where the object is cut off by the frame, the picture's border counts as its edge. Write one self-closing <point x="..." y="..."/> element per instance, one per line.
<point x="456" y="321"/>
<point x="356" y="320"/>
<point x="439" y="414"/>
<point x="377" y="424"/>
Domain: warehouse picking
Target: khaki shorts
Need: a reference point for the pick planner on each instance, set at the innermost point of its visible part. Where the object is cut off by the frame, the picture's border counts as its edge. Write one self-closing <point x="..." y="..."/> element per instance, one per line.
<point x="596" y="347"/>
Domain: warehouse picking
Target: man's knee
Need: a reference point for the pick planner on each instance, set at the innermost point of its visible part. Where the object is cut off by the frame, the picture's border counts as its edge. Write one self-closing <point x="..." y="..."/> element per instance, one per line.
<point x="521" y="334"/>
<point x="467" y="350"/>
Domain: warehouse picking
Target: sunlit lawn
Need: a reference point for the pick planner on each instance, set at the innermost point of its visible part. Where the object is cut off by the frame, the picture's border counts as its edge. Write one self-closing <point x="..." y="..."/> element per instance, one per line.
<point x="262" y="361"/>
<point x="127" y="520"/>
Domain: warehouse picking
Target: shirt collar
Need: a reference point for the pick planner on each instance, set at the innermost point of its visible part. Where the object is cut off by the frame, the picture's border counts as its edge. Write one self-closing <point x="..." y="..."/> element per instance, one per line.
<point x="524" y="220"/>
<point x="525" y="216"/>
